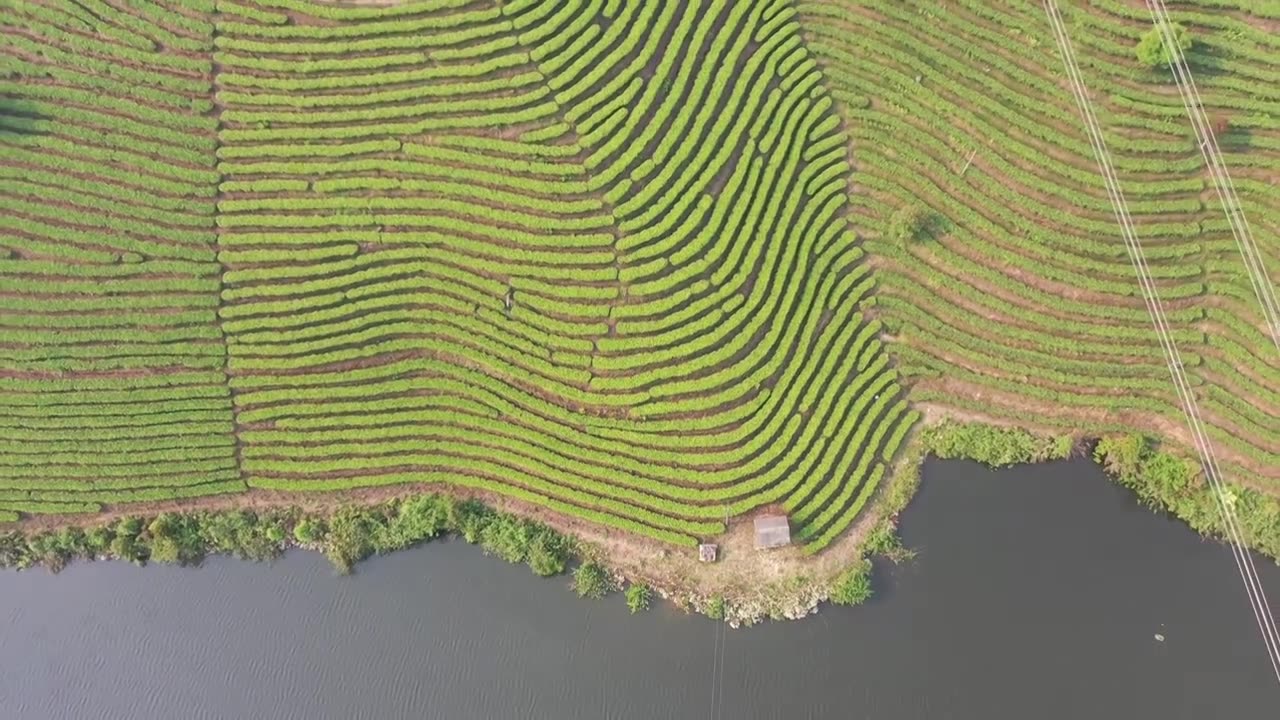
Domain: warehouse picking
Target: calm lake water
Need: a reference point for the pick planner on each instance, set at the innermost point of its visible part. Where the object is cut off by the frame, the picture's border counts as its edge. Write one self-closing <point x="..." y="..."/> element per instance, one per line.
<point x="1036" y="594"/>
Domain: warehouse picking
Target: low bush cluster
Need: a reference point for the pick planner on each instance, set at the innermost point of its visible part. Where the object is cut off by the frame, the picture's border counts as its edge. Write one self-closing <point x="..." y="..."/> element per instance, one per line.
<point x="991" y="445"/>
<point x="591" y="580"/>
<point x="715" y="608"/>
<point x="350" y="534"/>
<point x="638" y="597"/>
<point x="1174" y="484"/>
<point x="354" y="533"/>
<point x="853" y="586"/>
<point x="179" y="538"/>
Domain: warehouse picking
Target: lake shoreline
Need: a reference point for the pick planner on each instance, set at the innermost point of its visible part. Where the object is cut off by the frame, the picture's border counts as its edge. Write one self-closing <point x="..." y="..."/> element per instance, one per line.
<point x="1007" y="603"/>
<point x="744" y="587"/>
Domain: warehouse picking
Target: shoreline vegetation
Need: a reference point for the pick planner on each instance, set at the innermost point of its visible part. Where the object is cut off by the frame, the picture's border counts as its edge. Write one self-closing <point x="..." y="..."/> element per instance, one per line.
<point x="353" y="532"/>
<point x="1162" y="480"/>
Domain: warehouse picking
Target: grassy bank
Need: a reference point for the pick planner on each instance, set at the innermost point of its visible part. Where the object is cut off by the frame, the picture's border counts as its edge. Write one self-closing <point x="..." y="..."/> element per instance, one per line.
<point x="1163" y="480"/>
<point x="347" y="535"/>
<point x="351" y="533"/>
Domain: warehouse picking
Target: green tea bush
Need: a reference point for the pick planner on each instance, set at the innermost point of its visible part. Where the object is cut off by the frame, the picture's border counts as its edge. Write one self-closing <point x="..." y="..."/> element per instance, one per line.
<point x="538" y="254"/>
<point x="1028" y="248"/>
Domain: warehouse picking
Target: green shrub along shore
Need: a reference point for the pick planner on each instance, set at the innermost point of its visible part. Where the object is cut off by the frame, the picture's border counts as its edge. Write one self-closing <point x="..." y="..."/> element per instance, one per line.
<point x="352" y="533"/>
<point x="346" y="536"/>
<point x="1162" y="480"/>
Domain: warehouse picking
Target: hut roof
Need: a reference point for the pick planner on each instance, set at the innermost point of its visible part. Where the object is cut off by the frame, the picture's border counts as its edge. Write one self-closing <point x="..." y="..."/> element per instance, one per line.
<point x="772" y="531"/>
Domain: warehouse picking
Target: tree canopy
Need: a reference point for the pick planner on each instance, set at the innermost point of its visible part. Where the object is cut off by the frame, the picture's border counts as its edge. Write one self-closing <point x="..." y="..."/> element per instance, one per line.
<point x="1153" y="52"/>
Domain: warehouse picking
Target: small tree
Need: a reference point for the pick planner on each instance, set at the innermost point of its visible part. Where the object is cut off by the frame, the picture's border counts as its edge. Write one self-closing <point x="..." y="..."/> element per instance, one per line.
<point x="507" y="537"/>
<point x="175" y="538"/>
<point x="350" y="536"/>
<point x="98" y="539"/>
<point x="548" y="552"/>
<point x="591" y="581"/>
<point x="853" y="586"/>
<point x="638" y="597"/>
<point x="1152" y="51"/>
<point x="469" y="518"/>
<point x="126" y="547"/>
<point x="308" y="531"/>
<point x="909" y="223"/>
<point x="1123" y="455"/>
<point x="164" y="549"/>
<point x="716" y="608"/>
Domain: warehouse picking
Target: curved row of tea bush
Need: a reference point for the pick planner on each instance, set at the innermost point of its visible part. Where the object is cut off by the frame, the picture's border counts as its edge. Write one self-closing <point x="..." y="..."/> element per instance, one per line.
<point x="588" y="254"/>
<point x="1003" y="279"/>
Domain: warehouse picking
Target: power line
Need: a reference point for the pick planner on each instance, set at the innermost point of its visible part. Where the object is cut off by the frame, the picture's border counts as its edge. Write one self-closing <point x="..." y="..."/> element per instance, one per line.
<point x="1222" y="183"/>
<point x="1225" y="188"/>
<point x="1190" y="408"/>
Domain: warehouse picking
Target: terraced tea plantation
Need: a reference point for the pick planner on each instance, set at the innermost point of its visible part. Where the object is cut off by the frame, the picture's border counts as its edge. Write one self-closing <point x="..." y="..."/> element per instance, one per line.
<point x="112" y="362"/>
<point x="600" y="257"/>
<point x="1017" y="301"/>
<point x="588" y="255"/>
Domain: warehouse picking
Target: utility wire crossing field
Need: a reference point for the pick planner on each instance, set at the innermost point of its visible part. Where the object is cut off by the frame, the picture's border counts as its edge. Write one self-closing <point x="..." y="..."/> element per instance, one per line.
<point x="1018" y="303"/>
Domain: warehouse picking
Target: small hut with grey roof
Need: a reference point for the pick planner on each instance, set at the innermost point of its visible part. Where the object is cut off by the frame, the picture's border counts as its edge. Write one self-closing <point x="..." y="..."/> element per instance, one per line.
<point x="772" y="531"/>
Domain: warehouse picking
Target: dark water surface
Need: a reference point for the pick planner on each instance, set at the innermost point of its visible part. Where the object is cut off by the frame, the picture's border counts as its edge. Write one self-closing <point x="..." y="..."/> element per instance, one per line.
<point x="1036" y="594"/>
